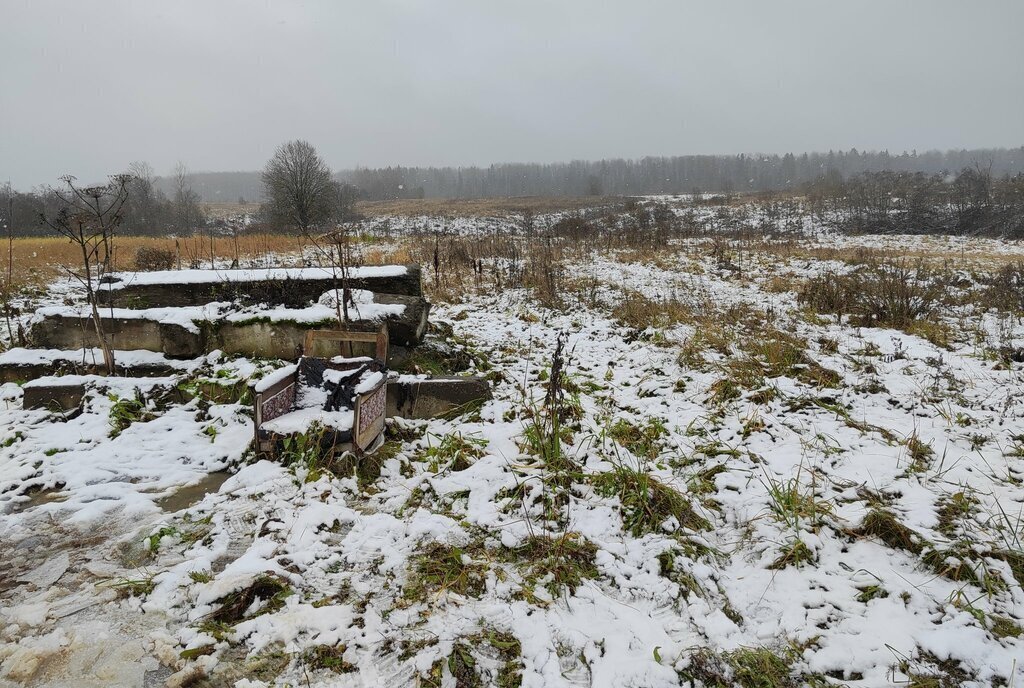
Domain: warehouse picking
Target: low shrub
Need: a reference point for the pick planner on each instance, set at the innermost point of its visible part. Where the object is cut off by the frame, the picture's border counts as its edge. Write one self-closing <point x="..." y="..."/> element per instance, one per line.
<point x="877" y="294"/>
<point x="149" y="258"/>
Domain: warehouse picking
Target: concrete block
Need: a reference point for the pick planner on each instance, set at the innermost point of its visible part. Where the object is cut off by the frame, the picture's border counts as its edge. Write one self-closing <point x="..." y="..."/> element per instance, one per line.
<point x="413" y="397"/>
<point x="53" y="394"/>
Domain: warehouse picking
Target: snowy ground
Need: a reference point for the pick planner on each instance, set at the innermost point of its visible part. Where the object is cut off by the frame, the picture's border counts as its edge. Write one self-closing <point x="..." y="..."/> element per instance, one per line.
<point x="859" y="526"/>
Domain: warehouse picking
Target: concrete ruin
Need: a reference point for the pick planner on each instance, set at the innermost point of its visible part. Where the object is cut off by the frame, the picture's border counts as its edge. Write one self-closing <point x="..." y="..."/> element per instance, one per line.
<point x="164" y="324"/>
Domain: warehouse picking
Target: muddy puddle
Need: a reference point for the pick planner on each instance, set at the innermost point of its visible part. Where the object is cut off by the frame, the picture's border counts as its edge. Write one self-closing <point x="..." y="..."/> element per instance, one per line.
<point x="192" y="494"/>
<point x="53" y="495"/>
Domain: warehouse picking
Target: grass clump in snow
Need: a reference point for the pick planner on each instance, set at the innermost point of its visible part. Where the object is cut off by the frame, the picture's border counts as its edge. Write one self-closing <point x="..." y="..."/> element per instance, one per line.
<point x="773" y="353"/>
<point x="444" y="568"/>
<point x="640" y="312"/>
<point x="647" y="504"/>
<point x="919" y="452"/>
<point x="329" y="657"/>
<point x="455" y="451"/>
<point x="885" y="526"/>
<point x="643" y="441"/>
<point x="746" y="667"/>
<point x="953" y="510"/>
<point x="960" y="563"/>
<point x="461" y="666"/>
<point x="267" y="592"/>
<point x="874" y="591"/>
<point x="547" y="433"/>
<point x="314" y="450"/>
<point x="796" y="505"/>
<point x="1015" y="560"/>
<point x="126" y="411"/>
<point x="133" y="587"/>
<point x="558" y="562"/>
<point x="489" y="658"/>
<point x="928" y="671"/>
<point x="433" y="360"/>
<point x="702" y="483"/>
<point x="510" y="652"/>
<point x="1003" y="627"/>
<point x="794" y="553"/>
<point x="670" y="567"/>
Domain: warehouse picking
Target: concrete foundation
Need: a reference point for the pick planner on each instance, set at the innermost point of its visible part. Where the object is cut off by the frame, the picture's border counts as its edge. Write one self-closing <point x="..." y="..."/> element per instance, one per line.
<point x="259" y="337"/>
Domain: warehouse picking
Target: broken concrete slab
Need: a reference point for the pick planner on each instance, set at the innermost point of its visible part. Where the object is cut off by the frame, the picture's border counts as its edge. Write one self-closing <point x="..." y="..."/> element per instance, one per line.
<point x="54" y="393"/>
<point x="291" y="287"/>
<point x="411" y="396"/>
<point x="70" y="330"/>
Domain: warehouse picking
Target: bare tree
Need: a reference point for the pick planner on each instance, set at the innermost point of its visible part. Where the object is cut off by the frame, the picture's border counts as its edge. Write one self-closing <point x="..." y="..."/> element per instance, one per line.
<point x="187" y="213"/>
<point x="302" y="193"/>
<point x="141" y="213"/>
<point x="299" y="189"/>
<point x="8" y="290"/>
<point x="89" y="218"/>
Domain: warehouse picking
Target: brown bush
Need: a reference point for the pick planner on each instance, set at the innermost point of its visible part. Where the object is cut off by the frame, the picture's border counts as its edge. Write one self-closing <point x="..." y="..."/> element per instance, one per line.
<point x="1005" y="290"/>
<point x="884" y="294"/>
<point x="149" y="258"/>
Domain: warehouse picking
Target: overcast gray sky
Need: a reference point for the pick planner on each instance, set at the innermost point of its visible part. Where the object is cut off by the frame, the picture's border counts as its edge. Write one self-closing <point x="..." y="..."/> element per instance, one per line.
<point x="89" y="86"/>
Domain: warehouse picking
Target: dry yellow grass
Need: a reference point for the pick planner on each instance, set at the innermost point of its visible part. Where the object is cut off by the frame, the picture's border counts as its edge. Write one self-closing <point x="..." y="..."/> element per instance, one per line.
<point x="934" y="251"/>
<point x="38" y="260"/>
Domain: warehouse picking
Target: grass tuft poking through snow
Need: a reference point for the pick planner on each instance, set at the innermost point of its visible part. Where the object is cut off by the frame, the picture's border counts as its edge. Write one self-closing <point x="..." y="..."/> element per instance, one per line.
<point x="647" y="504"/>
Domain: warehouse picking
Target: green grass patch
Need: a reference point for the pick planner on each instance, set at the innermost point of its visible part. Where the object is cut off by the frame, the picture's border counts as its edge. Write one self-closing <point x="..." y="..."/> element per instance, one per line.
<point x="455" y="451"/>
<point x="563" y="561"/>
<point x="329" y="657"/>
<point x="444" y="568"/>
<point x="643" y="441"/>
<point x="126" y="411"/>
<point x="884" y="525"/>
<point x="755" y="667"/>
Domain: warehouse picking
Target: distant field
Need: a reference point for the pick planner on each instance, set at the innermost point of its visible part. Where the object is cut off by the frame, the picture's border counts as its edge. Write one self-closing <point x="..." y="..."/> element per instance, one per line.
<point x="474" y="207"/>
<point x="222" y="211"/>
<point x="480" y="206"/>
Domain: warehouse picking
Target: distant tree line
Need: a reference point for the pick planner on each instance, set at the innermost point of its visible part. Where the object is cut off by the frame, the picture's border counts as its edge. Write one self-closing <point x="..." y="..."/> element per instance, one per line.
<point x="664" y="175"/>
<point x="147" y="211"/>
<point x="969" y="190"/>
<point x="653" y="175"/>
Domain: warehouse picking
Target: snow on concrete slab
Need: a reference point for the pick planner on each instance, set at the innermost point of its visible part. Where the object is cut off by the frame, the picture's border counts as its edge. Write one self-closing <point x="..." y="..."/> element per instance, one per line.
<point x="363" y="307"/>
<point x="122" y="279"/>
<point x="92" y="356"/>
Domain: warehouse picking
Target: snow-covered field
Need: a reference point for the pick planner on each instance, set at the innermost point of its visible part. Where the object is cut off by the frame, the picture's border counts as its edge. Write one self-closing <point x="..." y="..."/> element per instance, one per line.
<point x="744" y="492"/>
